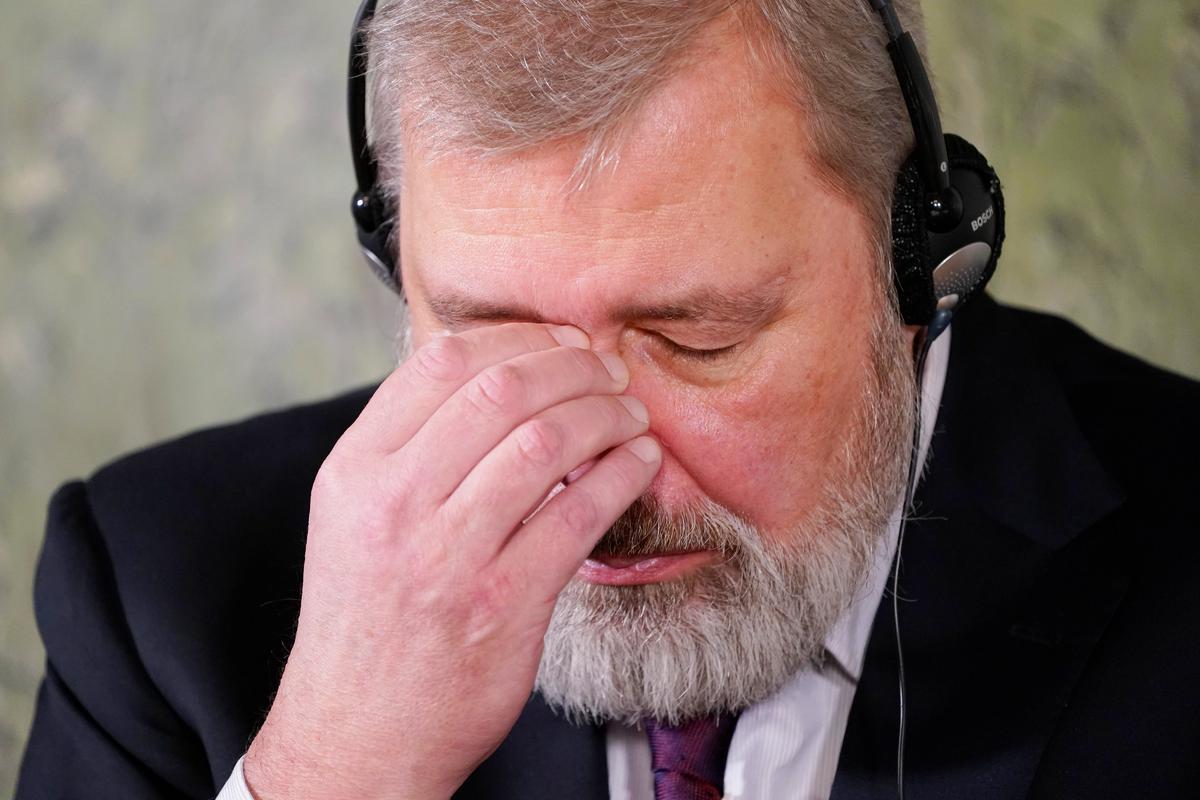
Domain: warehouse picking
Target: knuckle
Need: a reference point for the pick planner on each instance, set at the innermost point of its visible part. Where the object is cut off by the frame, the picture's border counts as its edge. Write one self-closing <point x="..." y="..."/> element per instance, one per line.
<point x="540" y="442"/>
<point x="429" y="557"/>
<point x="580" y="513"/>
<point x="443" y="359"/>
<point x="332" y="479"/>
<point x="491" y="595"/>
<point x="394" y="484"/>
<point x="497" y="390"/>
<point x="384" y="517"/>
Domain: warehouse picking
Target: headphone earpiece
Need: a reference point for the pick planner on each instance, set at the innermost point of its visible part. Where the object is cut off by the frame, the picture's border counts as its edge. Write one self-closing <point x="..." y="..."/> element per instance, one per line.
<point x="941" y="270"/>
<point x="374" y="221"/>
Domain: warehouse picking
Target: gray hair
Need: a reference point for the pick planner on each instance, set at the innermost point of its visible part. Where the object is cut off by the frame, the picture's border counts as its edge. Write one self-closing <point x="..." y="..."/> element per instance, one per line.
<point x="500" y="76"/>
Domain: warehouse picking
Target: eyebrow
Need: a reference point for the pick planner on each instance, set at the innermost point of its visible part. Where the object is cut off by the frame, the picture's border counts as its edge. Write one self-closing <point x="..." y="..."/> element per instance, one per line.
<point x="706" y="306"/>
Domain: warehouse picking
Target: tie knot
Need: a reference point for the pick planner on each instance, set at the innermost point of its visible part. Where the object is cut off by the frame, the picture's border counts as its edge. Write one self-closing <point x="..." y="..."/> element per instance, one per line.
<point x="689" y="759"/>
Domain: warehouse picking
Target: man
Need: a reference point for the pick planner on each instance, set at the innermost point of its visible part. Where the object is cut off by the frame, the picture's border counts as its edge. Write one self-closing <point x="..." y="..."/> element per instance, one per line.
<point x="648" y="462"/>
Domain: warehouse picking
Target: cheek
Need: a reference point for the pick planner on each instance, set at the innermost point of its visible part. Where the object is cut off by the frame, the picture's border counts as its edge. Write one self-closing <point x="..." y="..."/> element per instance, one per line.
<point x="763" y="451"/>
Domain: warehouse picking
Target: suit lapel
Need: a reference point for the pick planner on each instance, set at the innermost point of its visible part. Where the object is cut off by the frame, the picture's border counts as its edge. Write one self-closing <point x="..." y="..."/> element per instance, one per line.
<point x="1002" y="600"/>
<point x="543" y="758"/>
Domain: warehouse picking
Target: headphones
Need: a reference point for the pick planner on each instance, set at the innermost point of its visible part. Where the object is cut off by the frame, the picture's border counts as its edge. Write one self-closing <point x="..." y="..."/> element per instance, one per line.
<point x="947" y="207"/>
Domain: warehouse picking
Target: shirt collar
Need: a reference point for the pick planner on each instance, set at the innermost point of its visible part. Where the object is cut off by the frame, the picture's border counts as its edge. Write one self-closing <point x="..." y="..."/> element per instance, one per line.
<point x="846" y="644"/>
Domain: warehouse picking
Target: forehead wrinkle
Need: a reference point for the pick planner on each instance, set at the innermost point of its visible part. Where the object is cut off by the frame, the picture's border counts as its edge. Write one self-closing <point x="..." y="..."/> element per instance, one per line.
<point x="596" y="220"/>
<point x="581" y="203"/>
<point x="550" y="234"/>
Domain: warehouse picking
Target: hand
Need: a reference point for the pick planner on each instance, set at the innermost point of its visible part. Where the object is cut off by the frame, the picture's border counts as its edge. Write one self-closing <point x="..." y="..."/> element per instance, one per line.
<point x="425" y="596"/>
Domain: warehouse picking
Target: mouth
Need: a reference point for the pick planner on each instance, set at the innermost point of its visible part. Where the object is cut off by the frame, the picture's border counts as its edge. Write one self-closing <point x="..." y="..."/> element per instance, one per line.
<point x="618" y="570"/>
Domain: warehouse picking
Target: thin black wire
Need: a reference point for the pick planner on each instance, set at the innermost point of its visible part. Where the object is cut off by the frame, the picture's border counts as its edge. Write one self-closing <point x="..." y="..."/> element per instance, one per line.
<point x="939" y="324"/>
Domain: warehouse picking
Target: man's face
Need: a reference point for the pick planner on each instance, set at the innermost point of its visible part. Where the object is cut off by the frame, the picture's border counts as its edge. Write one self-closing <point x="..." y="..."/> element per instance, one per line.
<point x="737" y="286"/>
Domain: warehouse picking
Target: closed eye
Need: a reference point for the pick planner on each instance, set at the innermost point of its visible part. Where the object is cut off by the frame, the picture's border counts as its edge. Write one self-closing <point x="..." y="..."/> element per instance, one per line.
<point x="697" y="354"/>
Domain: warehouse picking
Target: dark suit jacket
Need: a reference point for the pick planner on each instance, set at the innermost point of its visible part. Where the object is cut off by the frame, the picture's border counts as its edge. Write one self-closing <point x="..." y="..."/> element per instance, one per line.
<point x="1051" y="619"/>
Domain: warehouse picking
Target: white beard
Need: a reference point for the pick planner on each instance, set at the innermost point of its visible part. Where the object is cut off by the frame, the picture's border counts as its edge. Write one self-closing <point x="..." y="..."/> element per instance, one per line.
<point x="729" y="635"/>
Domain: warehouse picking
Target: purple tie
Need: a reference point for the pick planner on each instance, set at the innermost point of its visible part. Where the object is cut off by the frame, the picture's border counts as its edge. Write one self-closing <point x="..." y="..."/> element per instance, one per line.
<point x="689" y="760"/>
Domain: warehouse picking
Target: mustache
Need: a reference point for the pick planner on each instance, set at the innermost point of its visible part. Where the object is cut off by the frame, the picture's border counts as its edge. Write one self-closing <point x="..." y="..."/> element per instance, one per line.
<point x="646" y="528"/>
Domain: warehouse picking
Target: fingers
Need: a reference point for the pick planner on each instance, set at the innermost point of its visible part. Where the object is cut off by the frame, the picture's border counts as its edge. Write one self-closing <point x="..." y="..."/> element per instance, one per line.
<point x="501" y="398"/>
<point x="508" y="483"/>
<point x="419" y="386"/>
<point x="550" y="548"/>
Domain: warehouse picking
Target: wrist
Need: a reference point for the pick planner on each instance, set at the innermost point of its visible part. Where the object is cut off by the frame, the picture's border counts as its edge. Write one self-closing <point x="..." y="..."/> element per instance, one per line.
<point x="282" y="764"/>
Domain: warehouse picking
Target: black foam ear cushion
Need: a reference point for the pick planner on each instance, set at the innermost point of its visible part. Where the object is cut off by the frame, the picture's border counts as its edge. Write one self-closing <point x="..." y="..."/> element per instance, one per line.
<point x="915" y="253"/>
<point x="911" y="270"/>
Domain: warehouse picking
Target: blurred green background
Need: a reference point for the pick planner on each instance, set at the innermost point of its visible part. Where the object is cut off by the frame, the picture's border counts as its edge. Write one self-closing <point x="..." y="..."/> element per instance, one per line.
<point x="175" y="247"/>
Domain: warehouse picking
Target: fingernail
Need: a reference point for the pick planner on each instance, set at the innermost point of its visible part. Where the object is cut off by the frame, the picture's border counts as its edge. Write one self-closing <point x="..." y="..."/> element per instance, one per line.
<point x="646" y="449"/>
<point x="615" y="366"/>
<point x="636" y="408"/>
<point x="570" y="336"/>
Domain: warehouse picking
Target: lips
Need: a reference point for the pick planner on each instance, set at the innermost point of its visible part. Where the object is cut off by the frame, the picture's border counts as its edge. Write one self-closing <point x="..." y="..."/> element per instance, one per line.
<point x="615" y="570"/>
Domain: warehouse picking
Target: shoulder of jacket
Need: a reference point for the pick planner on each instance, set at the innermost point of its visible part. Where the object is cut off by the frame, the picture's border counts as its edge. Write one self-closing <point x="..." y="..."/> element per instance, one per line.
<point x="1140" y="419"/>
<point x="242" y="465"/>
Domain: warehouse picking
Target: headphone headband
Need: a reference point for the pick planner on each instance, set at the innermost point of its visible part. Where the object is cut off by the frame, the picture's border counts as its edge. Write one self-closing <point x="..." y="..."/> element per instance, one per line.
<point x="365" y="168"/>
<point x="947" y="212"/>
<point x="918" y="98"/>
<point x="374" y="215"/>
